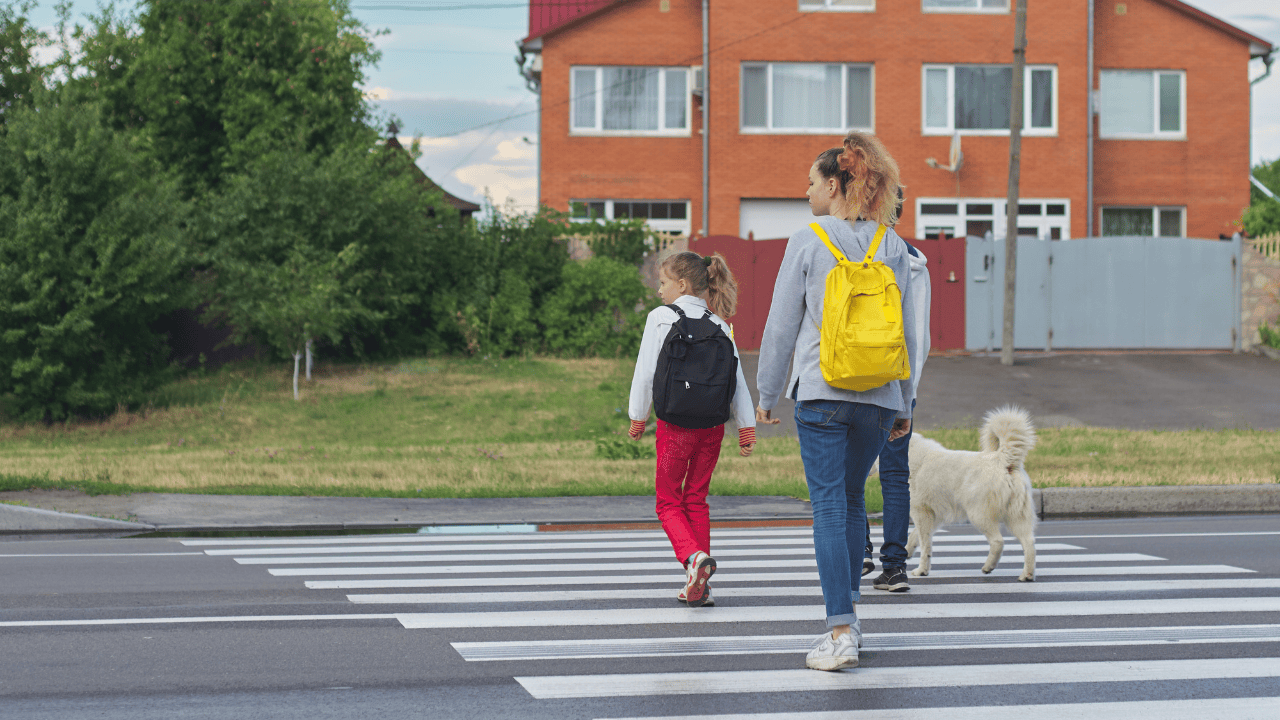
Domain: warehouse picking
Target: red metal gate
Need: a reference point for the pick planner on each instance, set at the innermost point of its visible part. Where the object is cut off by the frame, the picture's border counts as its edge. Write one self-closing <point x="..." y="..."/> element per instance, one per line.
<point x="755" y="264"/>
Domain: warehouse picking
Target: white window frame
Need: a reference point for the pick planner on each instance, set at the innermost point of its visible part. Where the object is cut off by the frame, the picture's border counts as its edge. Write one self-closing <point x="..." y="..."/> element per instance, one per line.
<point x="1155" y="217"/>
<point x="666" y="225"/>
<point x="974" y="10"/>
<point x="1156" y="133"/>
<point x="598" y="92"/>
<point x="768" y="129"/>
<point x="957" y="224"/>
<point x="826" y="6"/>
<point x="1051" y="131"/>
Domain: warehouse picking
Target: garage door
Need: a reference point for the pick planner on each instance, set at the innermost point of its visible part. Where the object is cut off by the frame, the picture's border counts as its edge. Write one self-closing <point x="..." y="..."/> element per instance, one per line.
<point x="772" y="219"/>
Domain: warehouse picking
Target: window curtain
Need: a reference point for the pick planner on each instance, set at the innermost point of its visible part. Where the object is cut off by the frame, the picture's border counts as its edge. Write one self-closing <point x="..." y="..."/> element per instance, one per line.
<point x="806" y="96"/>
<point x="630" y="98"/>
<point x="1125" y="105"/>
<point x="1127" y="221"/>
<point x="935" y="113"/>
<point x="584" y="97"/>
<point x="982" y="97"/>
<point x="755" y="97"/>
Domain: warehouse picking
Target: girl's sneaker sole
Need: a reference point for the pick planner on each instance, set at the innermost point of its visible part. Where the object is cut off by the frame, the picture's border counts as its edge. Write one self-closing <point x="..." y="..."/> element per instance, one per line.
<point x="695" y="592"/>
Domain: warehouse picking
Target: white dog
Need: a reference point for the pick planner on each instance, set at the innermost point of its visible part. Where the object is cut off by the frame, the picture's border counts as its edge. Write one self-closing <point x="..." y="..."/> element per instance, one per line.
<point x="984" y="487"/>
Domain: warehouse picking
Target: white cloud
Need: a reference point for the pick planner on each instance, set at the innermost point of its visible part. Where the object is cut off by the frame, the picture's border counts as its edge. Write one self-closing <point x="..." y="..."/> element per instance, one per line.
<point x="521" y="149"/>
<point x="504" y="185"/>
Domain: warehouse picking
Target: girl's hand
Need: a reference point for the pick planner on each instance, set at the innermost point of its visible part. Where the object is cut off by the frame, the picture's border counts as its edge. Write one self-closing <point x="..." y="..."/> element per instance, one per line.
<point x="763" y="417"/>
<point x="637" y="429"/>
<point x="746" y="441"/>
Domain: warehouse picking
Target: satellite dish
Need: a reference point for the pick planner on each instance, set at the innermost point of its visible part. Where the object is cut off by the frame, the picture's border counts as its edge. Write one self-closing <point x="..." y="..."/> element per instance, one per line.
<point x="955" y="157"/>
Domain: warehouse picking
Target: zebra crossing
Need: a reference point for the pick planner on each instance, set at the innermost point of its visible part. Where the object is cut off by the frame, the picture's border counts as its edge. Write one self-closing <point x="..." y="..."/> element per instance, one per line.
<point x="587" y="624"/>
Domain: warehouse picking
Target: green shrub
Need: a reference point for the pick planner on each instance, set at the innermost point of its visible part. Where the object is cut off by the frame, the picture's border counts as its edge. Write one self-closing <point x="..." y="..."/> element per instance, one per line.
<point x="91" y="257"/>
<point x="1270" y="336"/>
<point x="599" y="309"/>
<point x="626" y="241"/>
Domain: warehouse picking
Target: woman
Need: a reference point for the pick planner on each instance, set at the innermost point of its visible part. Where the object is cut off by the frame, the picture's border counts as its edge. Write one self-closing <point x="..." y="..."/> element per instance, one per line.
<point x="841" y="431"/>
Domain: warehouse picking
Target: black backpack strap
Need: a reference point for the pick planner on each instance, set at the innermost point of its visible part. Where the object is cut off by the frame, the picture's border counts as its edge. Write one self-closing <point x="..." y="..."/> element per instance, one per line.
<point x="679" y="312"/>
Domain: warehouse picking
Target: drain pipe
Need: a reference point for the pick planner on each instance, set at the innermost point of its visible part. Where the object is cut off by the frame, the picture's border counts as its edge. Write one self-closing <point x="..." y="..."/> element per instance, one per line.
<point x="1088" y="222"/>
<point x="706" y="118"/>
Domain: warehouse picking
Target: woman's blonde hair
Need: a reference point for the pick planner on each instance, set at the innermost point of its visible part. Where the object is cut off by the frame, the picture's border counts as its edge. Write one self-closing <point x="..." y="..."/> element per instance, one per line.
<point x="868" y="177"/>
<point x="706" y="274"/>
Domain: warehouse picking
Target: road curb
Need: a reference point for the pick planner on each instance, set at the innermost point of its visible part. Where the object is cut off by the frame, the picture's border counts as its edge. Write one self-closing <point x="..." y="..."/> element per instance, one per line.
<point x="20" y="520"/>
<point x="1145" y="501"/>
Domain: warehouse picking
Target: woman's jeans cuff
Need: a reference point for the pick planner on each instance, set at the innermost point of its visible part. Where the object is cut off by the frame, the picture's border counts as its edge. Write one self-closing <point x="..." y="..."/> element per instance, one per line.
<point x="838" y="620"/>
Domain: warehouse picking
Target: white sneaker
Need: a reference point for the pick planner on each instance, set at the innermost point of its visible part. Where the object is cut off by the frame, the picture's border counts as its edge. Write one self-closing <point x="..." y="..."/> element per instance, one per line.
<point x="701" y="568"/>
<point x="707" y="600"/>
<point x="834" y="653"/>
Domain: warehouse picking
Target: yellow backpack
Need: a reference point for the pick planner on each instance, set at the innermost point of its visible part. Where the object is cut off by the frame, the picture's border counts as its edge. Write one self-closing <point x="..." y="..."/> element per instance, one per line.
<point x="863" y="343"/>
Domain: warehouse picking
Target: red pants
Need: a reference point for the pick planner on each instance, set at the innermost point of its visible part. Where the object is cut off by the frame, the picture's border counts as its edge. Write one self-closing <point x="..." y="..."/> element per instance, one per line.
<point x="686" y="459"/>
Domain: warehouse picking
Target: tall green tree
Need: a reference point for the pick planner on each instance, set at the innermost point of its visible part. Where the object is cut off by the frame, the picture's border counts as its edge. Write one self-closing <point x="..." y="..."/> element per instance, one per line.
<point x="1262" y="217"/>
<point x="20" y="73"/>
<point x="219" y="83"/>
<point x="91" y="257"/>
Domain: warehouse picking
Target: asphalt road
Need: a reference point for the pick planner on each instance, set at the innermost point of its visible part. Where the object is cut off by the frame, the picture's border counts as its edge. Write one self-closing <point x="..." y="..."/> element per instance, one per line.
<point x="1139" y="391"/>
<point x="1181" y="612"/>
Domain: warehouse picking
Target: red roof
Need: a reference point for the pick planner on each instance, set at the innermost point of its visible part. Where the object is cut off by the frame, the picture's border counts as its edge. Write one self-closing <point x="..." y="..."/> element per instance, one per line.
<point x="548" y="15"/>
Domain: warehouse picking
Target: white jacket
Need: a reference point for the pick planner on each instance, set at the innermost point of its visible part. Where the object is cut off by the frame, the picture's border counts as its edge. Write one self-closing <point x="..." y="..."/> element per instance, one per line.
<point x="656" y="329"/>
<point x="922" y="296"/>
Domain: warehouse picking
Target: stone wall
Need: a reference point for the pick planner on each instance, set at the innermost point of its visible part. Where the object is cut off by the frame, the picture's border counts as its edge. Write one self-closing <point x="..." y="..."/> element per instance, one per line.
<point x="1260" y="293"/>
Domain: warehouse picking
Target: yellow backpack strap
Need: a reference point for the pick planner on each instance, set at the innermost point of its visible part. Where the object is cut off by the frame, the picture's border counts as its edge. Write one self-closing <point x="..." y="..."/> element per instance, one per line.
<point x="830" y="246"/>
<point x="875" y="243"/>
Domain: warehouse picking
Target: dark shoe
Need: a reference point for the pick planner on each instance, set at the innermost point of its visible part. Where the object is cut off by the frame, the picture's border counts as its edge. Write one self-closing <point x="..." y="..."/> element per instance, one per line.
<point x="893" y="580"/>
<point x="868" y="567"/>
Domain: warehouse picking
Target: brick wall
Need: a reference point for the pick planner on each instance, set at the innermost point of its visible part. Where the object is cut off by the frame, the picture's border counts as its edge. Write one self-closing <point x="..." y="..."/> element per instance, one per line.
<point x="1207" y="173"/>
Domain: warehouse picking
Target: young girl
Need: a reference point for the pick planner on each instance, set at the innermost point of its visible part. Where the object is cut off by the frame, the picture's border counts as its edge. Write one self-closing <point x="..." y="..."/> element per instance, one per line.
<point x="687" y="457"/>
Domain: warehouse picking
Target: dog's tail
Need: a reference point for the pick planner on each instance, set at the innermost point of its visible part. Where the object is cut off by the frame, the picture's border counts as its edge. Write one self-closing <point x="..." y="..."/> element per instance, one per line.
<point x="1008" y="430"/>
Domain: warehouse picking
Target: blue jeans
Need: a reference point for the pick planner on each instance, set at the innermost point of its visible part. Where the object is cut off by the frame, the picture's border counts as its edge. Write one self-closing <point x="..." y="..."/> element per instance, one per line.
<point x="838" y="442"/>
<point x="896" y="492"/>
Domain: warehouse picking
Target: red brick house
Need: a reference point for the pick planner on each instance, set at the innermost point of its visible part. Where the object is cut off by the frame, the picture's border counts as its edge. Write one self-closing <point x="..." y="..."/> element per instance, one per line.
<point x="621" y="111"/>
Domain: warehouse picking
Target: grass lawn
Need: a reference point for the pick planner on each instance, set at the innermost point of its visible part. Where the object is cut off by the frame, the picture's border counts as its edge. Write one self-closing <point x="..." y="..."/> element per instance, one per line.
<point x="454" y="427"/>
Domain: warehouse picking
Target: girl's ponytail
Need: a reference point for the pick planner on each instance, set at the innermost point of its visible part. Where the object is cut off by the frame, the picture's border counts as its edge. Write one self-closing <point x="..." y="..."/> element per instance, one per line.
<point x="722" y="289"/>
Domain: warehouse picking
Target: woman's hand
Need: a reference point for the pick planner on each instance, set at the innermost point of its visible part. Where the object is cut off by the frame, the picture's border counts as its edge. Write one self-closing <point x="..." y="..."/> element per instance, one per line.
<point x="763" y="417"/>
<point x="901" y="427"/>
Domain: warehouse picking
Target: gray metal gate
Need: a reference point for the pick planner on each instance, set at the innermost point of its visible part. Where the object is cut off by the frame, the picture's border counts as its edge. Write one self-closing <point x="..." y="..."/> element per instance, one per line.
<point x="1106" y="292"/>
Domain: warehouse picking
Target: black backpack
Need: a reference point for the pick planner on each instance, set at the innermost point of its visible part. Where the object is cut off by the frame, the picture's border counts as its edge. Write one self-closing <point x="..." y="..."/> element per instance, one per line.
<point x="697" y="374"/>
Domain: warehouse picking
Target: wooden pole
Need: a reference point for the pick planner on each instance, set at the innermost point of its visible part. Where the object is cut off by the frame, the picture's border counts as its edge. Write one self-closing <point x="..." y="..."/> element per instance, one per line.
<point x="1015" y="164"/>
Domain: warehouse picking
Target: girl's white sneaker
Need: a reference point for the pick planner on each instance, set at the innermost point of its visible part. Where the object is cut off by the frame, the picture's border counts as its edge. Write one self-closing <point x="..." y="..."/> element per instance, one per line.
<point x="701" y="568"/>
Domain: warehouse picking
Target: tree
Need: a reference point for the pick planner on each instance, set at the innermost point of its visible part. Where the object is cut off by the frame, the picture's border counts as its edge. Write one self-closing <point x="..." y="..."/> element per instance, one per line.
<point x="594" y="311"/>
<point x="20" y="74"/>
<point x="1262" y="217"/>
<point x="221" y="83"/>
<point x="310" y="295"/>
<point x="91" y="257"/>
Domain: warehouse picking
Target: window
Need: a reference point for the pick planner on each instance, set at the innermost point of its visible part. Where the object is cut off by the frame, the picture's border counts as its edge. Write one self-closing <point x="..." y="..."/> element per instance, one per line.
<point x="1144" y="221"/>
<point x="965" y="5"/>
<point x="1138" y="104"/>
<point x="974" y="99"/>
<point x="806" y="97"/>
<point x="670" y="216"/>
<point x="1046" y="219"/>
<point x="630" y="100"/>
<point x="850" y="5"/>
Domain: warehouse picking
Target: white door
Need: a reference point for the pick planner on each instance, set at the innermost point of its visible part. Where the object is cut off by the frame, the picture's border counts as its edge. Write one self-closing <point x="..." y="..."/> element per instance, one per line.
<point x="772" y="219"/>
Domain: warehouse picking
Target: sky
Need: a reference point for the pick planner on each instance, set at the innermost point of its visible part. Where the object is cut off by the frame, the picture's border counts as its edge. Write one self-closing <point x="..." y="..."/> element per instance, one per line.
<point x="449" y="73"/>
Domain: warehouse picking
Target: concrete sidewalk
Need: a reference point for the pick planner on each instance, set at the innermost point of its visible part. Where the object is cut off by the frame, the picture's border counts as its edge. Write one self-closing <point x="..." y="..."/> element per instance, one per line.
<point x="65" y="511"/>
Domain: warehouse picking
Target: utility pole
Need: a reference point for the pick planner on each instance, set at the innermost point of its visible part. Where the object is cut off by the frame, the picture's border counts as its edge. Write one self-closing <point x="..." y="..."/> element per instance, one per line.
<point x="1015" y="165"/>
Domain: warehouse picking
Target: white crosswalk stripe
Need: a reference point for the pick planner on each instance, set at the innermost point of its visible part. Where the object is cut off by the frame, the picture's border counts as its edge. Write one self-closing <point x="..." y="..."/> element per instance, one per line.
<point x="609" y="596"/>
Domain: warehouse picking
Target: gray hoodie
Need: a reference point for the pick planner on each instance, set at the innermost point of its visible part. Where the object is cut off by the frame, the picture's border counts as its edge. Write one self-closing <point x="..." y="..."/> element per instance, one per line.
<point x="795" y="317"/>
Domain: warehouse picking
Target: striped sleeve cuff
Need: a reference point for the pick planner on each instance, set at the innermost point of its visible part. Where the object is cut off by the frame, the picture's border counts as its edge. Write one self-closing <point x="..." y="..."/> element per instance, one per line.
<point x="746" y="436"/>
<point x="637" y="429"/>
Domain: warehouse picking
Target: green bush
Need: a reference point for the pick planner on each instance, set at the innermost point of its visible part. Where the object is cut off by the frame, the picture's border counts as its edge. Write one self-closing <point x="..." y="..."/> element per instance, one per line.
<point x="91" y="257"/>
<point x="1262" y="217"/>
<point x="599" y="309"/>
<point x="626" y="241"/>
<point x="1270" y="336"/>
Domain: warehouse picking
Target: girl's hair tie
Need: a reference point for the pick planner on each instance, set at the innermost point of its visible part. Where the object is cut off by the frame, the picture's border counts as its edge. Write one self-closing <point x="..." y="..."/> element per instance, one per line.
<point x="706" y="260"/>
